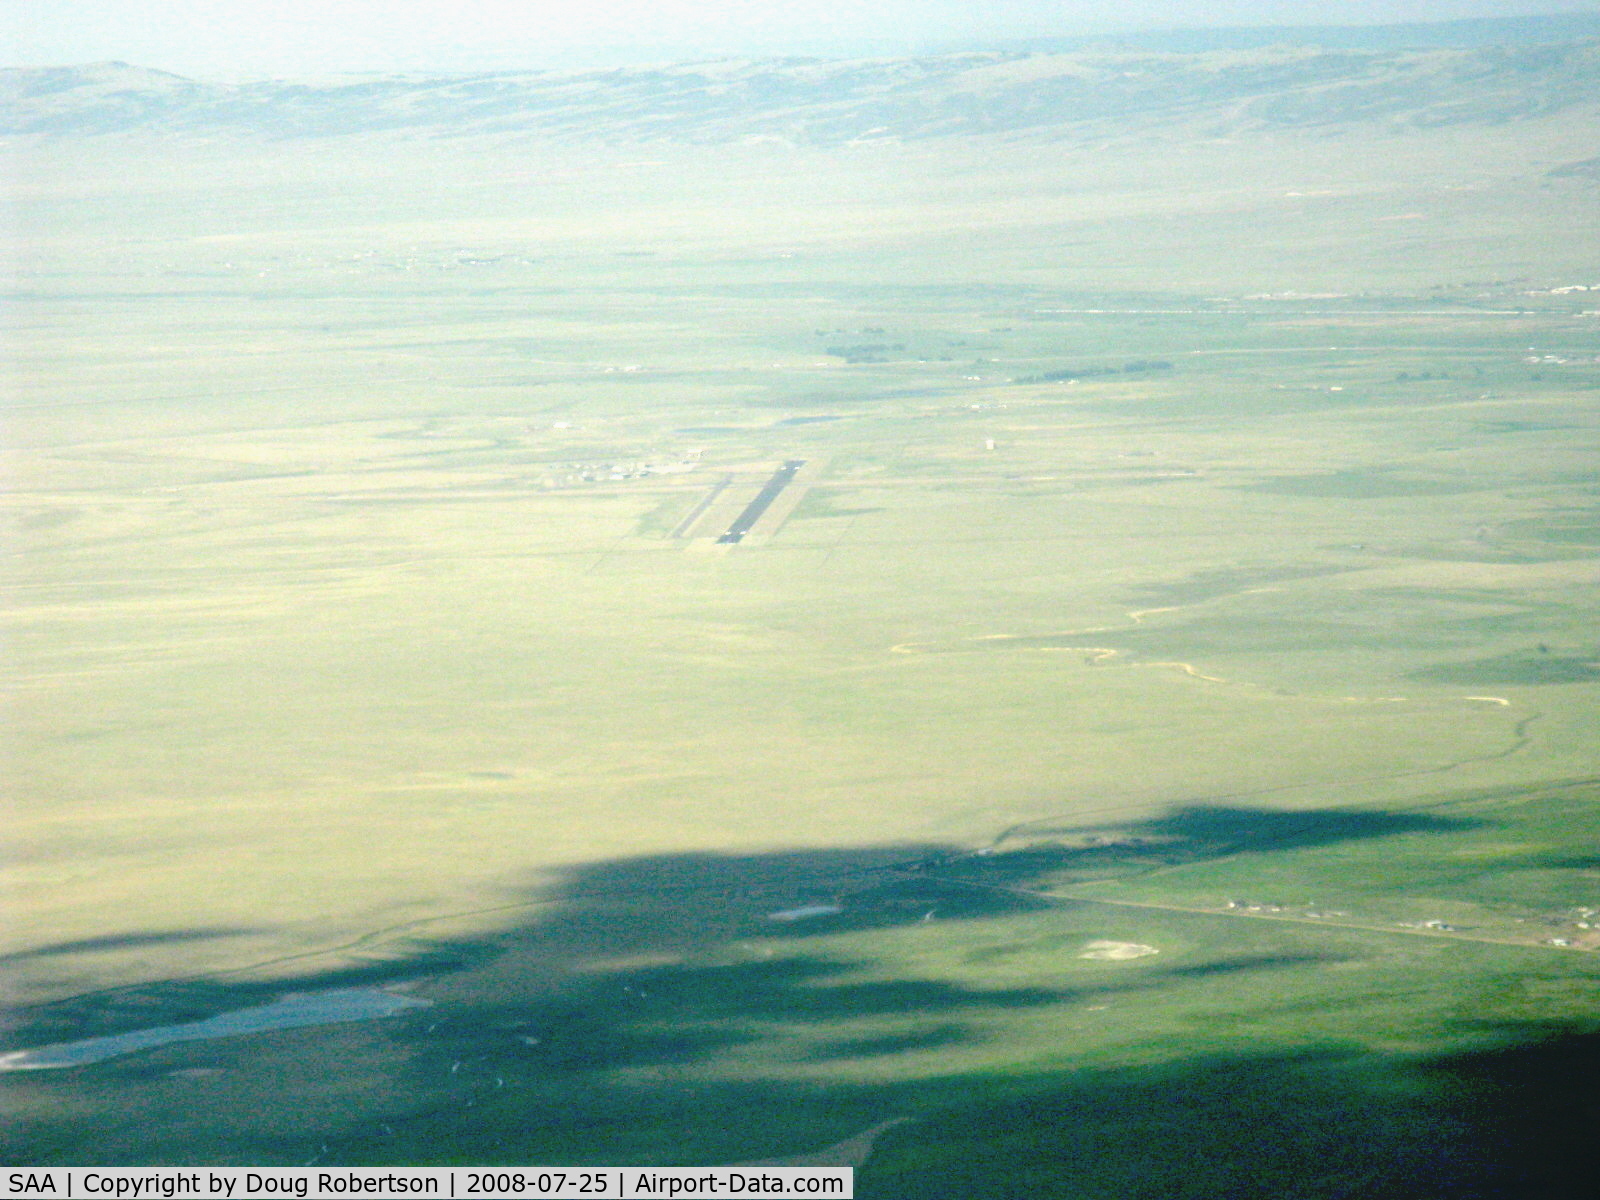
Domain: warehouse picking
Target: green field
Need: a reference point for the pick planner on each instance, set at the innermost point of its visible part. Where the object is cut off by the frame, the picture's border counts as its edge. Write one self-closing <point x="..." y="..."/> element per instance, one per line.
<point x="1206" y="570"/>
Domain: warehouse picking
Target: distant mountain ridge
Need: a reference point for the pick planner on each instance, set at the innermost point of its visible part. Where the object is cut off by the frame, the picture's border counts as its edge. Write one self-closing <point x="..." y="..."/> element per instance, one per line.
<point x="1413" y="35"/>
<point x="820" y="102"/>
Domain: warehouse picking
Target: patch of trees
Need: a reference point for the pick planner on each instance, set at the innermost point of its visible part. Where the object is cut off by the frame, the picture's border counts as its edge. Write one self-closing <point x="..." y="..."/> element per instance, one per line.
<point x="1136" y="366"/>
<point x="865" y="352"/>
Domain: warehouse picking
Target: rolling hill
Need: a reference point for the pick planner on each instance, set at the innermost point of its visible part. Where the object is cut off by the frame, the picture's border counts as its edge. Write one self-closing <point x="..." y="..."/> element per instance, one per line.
<point x="817" y="102"/>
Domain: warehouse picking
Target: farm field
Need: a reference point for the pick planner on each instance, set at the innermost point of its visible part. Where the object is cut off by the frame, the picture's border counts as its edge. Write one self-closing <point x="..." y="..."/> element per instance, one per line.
<point x="1164" y="699"/>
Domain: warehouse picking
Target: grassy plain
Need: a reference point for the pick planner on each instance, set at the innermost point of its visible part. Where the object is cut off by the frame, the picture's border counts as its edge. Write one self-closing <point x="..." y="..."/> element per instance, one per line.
<point x="351" y="644"/>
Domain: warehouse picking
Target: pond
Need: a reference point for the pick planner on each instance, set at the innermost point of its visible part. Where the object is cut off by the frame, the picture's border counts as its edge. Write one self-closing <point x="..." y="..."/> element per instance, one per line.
<point x="287" y="1012"/>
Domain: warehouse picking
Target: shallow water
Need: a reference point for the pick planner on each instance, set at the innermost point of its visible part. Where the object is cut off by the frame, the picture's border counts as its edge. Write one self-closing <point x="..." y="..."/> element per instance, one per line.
<point x="805" y="913"/>
<point x="287" y="1012"/>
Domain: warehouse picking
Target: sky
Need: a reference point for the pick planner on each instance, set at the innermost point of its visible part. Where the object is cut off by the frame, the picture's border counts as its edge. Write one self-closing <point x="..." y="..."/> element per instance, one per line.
<point x="232" y="40"/>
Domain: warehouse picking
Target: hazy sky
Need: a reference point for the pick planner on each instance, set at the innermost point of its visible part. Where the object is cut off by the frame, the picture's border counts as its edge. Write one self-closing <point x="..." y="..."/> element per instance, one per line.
<point x="243" y="39"/>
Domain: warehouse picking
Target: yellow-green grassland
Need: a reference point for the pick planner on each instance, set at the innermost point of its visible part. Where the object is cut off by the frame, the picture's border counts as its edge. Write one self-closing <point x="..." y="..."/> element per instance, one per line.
<point x="1197" y="552"/>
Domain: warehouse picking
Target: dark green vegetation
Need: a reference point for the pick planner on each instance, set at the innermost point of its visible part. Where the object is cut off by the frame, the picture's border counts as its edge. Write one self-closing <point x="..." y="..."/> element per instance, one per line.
<point x="1519" y="670"/>
<point x="1144" y="780"/>
<point x="647" y="1006"/>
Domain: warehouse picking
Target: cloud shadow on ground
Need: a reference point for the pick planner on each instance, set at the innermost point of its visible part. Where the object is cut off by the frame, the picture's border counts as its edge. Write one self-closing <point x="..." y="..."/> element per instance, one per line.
<point x="660" y="1010"/>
